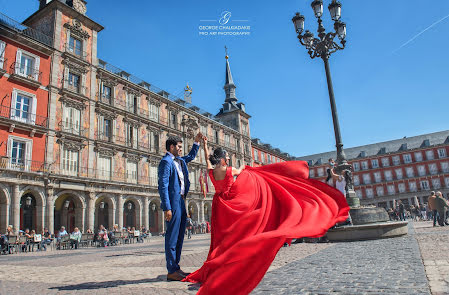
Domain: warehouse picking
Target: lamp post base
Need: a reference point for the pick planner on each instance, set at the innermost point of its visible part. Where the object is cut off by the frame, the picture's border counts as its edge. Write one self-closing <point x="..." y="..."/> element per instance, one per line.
<point x="352" y="199"/>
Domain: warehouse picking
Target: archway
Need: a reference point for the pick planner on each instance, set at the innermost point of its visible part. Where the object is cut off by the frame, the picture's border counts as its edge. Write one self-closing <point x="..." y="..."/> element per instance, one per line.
<point x="4" y="208"/>
<point x="28" y="212"/>
<point x="154" y="215"/>
<point x="193" y="211"/>
<point x="131" y="213"/>
<point x="104" y="212"/>
<point x="69" y="212"/>
<point x="207" y="211"/>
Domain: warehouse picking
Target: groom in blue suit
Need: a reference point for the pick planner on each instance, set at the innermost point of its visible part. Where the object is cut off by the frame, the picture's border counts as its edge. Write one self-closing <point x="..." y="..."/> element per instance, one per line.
<point x="173" y="183"/>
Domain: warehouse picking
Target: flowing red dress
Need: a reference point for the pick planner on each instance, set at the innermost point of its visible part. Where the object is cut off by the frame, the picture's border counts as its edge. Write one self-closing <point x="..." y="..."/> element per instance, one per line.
<point x="255" y="215"/>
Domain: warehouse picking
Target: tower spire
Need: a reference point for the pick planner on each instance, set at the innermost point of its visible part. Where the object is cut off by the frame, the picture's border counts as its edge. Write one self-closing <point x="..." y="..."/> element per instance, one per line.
<point x="229" y="86"/>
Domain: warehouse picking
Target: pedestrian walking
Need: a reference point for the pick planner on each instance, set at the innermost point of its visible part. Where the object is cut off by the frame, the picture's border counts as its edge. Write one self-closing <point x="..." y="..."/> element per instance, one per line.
<point x="432" y="206"/>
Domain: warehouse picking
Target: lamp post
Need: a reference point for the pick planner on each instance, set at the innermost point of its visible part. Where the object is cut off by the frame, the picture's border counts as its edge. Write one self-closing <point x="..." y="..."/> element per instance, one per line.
<point x="323" y="47"/>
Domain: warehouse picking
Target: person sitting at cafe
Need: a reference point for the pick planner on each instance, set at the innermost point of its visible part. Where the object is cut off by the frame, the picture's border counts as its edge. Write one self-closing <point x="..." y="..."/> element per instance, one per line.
<point x="46" y="239"/>
<point x="10" y="231"/>
<point x="103" y="236"/>
<point x="62" y="232"/>
<point x="75" y="238"/>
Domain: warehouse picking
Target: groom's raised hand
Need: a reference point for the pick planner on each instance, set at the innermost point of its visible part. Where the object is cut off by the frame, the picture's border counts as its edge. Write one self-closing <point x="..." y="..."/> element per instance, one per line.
<point x="198" y="137"/>
<point x="168" y="215"/>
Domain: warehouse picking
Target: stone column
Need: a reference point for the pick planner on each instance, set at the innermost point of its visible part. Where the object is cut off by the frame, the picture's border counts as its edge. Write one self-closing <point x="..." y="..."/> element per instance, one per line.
<point x="50" y="211"/>
<point x="146" y="212"/>
<point x="120" y="203"/>
<point x="16" y="208"/>
<point x="91" y="211"/>
<point x="202" y="211"/>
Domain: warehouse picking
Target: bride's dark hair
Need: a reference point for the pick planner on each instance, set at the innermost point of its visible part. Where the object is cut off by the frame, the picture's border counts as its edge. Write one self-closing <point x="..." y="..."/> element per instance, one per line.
<point x="219" y="154"/>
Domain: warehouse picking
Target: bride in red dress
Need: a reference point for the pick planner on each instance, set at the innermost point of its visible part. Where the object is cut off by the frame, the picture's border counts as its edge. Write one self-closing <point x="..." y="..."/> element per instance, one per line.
<point x="255" y="215"/>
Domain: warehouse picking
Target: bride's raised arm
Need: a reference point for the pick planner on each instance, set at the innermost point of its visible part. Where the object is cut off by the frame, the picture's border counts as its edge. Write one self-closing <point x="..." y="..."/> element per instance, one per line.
<point x="206" y="153"/>
<point x="236" y="171"/>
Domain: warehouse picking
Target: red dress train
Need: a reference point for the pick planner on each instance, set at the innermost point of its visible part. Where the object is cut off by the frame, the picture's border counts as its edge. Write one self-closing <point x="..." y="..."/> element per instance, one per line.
<point x="253" y="217"/>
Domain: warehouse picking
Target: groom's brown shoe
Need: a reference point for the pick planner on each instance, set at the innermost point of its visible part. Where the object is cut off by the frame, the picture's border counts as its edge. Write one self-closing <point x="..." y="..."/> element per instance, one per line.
<point x="183" y="273"/>
<point x="175" y="276"/>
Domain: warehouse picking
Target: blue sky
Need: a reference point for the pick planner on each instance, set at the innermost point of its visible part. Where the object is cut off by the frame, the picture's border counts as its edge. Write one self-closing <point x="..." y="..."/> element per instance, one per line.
<point x="382" y="93"/>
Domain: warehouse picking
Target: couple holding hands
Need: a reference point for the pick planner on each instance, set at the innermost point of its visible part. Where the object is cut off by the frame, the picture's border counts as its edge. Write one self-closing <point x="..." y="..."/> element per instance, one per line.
<point x="252" y="217"/>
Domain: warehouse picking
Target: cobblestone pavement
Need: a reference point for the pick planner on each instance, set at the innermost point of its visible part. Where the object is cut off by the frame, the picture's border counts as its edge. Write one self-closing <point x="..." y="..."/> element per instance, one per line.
<point x="391" y="266"/>
<point x="434" y="245"/>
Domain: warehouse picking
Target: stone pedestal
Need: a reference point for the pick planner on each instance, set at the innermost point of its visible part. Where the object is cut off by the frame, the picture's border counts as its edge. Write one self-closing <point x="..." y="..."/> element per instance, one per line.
<point x="368" y="215"/>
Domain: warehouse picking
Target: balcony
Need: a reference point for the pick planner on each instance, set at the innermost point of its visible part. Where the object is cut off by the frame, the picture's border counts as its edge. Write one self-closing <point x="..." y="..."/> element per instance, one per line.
<point x="20" y="116"/>
<point x="104" y="136"/>
<point x="71" y="51"/>
<point x="71" y="128"/>
<point x="103" y="98"/>
<point x="7" y="163"/>
<point x="26" y="75"/>
<point x="75" y="89"/>
<point x="24" y="30"/>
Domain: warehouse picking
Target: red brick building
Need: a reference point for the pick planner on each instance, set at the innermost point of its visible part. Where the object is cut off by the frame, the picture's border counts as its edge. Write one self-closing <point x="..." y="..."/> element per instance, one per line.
<point x="393" y="170"/>
<point x="25" y="58"/>
<point x="263" y="154"/>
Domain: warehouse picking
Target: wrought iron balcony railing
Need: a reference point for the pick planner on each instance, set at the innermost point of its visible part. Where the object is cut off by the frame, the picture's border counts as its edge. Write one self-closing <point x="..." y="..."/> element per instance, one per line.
<point x="23" y="116"/>
<point x="75" y="87"/>
<point x="72" y="128"/>
<point x="22" y="29"/>
<point x="16" y="164"/>
<point x="102" y="97"/>
<point x="28" y="72"/>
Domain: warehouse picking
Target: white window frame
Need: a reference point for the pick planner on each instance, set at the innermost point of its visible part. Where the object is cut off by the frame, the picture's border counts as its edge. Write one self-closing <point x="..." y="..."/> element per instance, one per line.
<point x="356" y="180"/>
<point x="386" y="162"/>
<point x="104" y="168"/>
<point x="2" y="53"/>
<point x="72" y="163"/>
<point x="367" y="178"/>
<point x="433" y="169"/>
<point x="311" y="173"/>
<point x="369" y="193"/>
<point x="396" y="160"/>
<point x="412" y="186"/>
<point x="430" y="155"/>
<point x="131" y="175"/>
<point x="418" y="156"/>
<point x="71" y="122"/>
<point x="445" y="167"/>
<point x="446" y="181"/>
<point x="388" y="175"/>
<point x="380" y="191"/>
<point x="391" y="190"/>
<point x="407" y="158"/>
<point x="364" y="165"/>
<point x="401" y="187"/>
<point x="399" y="173"/>
<point x="377" y="177"/>
<point x="31" y="119"/>
<point x="154" y="112"/>
<point x="356" y="166"/>
<point x="421" y="170"/>
<point x="410" y="172"/>
<point x="442" y="153"/>
<point x="320" y="172"/>
<point x="28" y="154"/>
<point x="19" y="54"/>
<point x="424" y="185"/>
<point x="153" y="175"/>
<point x="436" y="183"/>
<point x="375" y="163"/>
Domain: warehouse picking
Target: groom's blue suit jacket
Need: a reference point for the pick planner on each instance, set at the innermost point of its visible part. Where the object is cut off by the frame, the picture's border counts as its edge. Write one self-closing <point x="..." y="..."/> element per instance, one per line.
<point x="168" y="180"/>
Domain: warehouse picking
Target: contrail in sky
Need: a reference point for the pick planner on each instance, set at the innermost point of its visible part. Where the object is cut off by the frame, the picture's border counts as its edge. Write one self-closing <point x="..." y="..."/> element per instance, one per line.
<point x="422" y="32"/>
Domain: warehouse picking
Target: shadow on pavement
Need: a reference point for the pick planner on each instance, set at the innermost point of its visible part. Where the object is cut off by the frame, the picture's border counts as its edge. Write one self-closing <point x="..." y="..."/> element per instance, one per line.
<point x="108" y="284"/>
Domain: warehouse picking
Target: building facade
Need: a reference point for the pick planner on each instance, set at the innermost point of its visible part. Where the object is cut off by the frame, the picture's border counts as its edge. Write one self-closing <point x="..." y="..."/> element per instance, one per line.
<point x="105" y="136"/>
<point x="264" y="154"/>
<point x="400" y="169"/>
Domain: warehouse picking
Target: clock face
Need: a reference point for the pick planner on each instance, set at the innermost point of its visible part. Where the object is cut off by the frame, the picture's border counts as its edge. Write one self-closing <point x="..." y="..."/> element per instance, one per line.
<point x="79" y="6"/>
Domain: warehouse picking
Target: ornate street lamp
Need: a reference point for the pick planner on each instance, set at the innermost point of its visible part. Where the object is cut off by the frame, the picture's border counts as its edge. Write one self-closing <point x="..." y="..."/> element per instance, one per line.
<point x="28" y="201"/>
<point x="66" y="204"/>
<point x="323" y="47"/>
<point x="130" y="206"/>
<point x="102" y="205"/>
<point x="153" y="207"/>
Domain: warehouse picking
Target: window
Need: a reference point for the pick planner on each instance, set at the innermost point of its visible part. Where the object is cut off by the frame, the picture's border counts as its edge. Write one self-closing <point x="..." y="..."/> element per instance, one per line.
<point x="244" y="128"/>
<point x="75" y="46"/>
<point x="246" y="148"/>
<point x="421" y="170"/>
<point x="216" y="136"/>
<point x="356" y="166"/>
<point x="154" y="142"/>
<point x="375" y="163"/>
<point x="256" y="155"/>
<point x="418" y="156"/>
<point x="407" y="158"/>
<point x="446" y="181"/>
<point x="106" y="93"/>
<point x="74" y="82"/>
<point x="442" y="153"/>
<point x="410" y="172"/>
<point x="131" y="136"/>
<point x="131" y="103"/>
<point x="380" y="191"/>
<point x="153" y="175"/>
<point x="104" y="168"/>
<point x="23" y="106"/>
<point x="425" y="185"/>
<point x="269" y="159"/>
<point x="359" y="194"/>
<point x="399" y="173"/>
<point x="356" y="180"/>
<point x="401" y="187"/>
<point x="154" y="116"/>
<point x="227" y="138"/>
<point x="105" y="129"/>
<point x="27" y="64"/>
<point x="396" y="160"/>
<point x="369" y="193"/>
<point x="377" y="177"/>
<point x="429" y="155"/>
<point x="364" y="165"/>
<point x="445" y="167"/>
<point x="412" y="186"/>
<point x="262" y="157"/>
<point x="433" y="168"/>
<point x="388" y="175"/>
<point x="311" y="173"/>
<point x="385" y="162"/>
<point x="131" y="172"/>
<point x="320" y="172"/>
<point x="366" y="178"/>
<point x="203" y="129"/>
<point x="2" y="53"/>
<point x="237" y="144"/>
<point x="436" y="184"/>
<point x="71" y="118"/>
<point x="69" y="161"/>
<point x="19" y="152"/>
<point x="391" y="189"/>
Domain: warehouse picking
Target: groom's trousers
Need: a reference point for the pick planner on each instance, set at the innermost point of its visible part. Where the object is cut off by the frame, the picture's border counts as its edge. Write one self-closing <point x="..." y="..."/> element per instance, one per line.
<point x="174" y="235"/>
